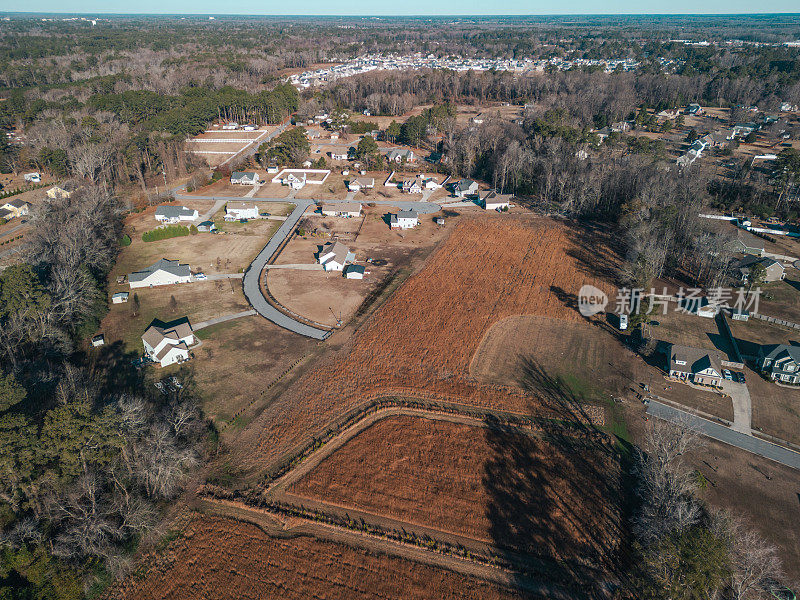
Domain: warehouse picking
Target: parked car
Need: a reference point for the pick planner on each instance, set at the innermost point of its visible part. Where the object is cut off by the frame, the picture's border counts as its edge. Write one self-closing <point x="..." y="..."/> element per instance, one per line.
<point x="727" y="375"/>
<point x="740" y="377"/>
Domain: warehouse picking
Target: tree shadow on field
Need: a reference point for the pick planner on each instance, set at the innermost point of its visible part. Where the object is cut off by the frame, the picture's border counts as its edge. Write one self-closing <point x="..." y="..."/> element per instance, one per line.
<point x="596" y="252"/>
<point x="557" y="499"/>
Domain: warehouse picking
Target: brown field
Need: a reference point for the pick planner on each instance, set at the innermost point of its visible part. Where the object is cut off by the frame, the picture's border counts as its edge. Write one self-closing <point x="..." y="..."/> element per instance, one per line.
<point x="535" y="496"/>
<point x="227" y="559"/>
<point x="590" y="361"/>
<point x="424" y="337"/>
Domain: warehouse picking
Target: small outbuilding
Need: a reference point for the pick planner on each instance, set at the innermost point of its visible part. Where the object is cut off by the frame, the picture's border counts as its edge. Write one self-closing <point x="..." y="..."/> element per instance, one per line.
<point x="120" y="298"/>
<point x="354" y="272"/>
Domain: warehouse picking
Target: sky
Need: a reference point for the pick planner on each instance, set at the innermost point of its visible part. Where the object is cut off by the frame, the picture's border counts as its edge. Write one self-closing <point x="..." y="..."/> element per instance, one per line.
<point x="406" y="7"/>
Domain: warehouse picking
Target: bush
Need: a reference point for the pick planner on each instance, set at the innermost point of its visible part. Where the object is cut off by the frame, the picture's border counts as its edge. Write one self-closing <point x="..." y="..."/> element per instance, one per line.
<point x="164" y="233"/>
<point x="125" y="240"/>
<point x="193" y="230"/>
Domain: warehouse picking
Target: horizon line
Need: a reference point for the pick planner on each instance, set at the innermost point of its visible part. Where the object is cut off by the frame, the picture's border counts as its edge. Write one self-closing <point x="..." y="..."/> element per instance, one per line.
<point x="390" y="16"/>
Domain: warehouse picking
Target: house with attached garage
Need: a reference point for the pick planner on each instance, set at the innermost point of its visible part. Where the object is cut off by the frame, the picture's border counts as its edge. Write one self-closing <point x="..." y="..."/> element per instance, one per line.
<point x="296" y="182"/>
<point x="240" y="178"/>
<point x="16" y="208"/>
<point x="747" y="243"/>
<point x="773" y="270"/>
<point x="335" y="256"/>
<point x="175" y="214"/>
<point x="237" y="209"/>
<point x="780" y="362"/>
<point x="161" y="272"/>
<point x="342" y="209"/>
<point x="465" y="187"/>
<point x="412" y="186"/>
<point x="398" y="155"/>
<point x="405" y="219"/>
<point x="361" y="183"/>
<point x="168" y="343"/>
<point x="695" y="365"/>
<point x="494" y="201"/>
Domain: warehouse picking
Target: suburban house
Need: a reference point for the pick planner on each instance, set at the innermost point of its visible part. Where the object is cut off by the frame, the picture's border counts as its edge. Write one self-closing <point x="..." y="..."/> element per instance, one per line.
<point x="237" y="209"/>
<point x="57" y="193"/>
<point x="412" y="186"/>
<point x="240" y="178"/>
<point x="162" y="272"/>
<point x="168" y="344"/>
<point x="405" y="219"/>
<point x="294" y="181"/>
<point x="361" y="183"/>
<point x="354" y="272"/>
<point x="465" y="187"/>
<point x="494" y="201"/>
<point x="398" y="155"/>
<point x="120" y="297"/>
<point x="747" y="243"/>
<point x="334" y="256"/>
<point x="780" y="362"/>
<point x="15" y="208"/>
<point x="773" y="270"/>
<point x="230" y="126"/>
<point x="430" y="183"/>
<point x="344" y="209"/>
<point x="175" y="214"/>
<point x="696" y="365"/>
<point x="338" y="155"/>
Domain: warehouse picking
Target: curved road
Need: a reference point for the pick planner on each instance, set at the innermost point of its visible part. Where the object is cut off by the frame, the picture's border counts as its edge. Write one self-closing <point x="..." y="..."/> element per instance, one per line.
<point x="250" y="282"/>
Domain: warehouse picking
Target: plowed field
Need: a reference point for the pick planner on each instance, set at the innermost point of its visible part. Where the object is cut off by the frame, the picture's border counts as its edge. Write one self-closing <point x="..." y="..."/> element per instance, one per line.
<point x="549" y="497"/>
<point x="421" y="341"/>
<point x="229" y="560"/>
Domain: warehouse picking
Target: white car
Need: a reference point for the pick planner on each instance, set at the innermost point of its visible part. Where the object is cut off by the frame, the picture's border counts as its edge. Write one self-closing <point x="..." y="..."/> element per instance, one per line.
<point x="623" y="322"/>
<point x="201" y="276"/>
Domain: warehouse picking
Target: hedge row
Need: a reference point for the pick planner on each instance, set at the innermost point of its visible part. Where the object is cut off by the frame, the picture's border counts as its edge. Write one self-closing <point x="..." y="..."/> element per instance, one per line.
<point x="170" y="231"/>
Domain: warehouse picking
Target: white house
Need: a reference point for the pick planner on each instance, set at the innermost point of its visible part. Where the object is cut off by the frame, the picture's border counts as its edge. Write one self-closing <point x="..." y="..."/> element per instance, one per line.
<point x="343" y="209"/>
<point x="405" y="219"/>
<point x="240" y="178"/>
<point x="361" y="183"/>
<point x="339" y="155"/>
<point x="249" y="128"/>
<point x="272" y="169"/>
<point x="168" y="344"/>
<point x="162" y="272"/>
<point x="354" y="272"/>
<point x="295" y="182"/>
<point x="334" y="256"/>
<point x="175" y="214"/>
<point x="494" y="201"/>
<point x="120" y="297"/>
<point x="230" y="126"/>
<point x="32" y="177"/>
<point x="465" y="187"/>
<point x="430" y="183"/>
<point x="412" y="186"/>
<point x="237" y="209"/>
<point x="397" y="155"/>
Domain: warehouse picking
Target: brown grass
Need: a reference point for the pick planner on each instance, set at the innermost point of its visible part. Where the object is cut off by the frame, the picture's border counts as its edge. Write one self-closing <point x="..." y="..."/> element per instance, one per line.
<point x="226" y="559"/>
<point x="423" y="339"/>
<point x="545" y="497"/>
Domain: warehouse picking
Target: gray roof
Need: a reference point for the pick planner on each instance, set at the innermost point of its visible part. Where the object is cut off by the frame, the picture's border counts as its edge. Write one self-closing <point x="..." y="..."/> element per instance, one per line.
<point x="163" y="264"/>
<point x="464" y="185"/>
<point x="697" y="359"/>
<point x="407" y="214"/>
<point x="173" y="212"/>
<point x="355" y="269"/>
<point x="777" y="350"/>
<point x="750" y="260"/>
<point x="244" y="175"/>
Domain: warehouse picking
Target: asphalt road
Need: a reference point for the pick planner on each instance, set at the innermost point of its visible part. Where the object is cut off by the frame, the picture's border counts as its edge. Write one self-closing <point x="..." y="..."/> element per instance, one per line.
<point x="723" y="434"/>
<point x="250" y="282"/>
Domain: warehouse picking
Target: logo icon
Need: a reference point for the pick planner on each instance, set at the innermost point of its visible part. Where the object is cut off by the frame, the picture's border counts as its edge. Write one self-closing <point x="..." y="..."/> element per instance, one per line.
<point x="591" y="300"/>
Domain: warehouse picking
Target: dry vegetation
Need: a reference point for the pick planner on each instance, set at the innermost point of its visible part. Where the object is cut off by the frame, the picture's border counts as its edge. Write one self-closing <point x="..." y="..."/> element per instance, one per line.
<point x="220" y="558"/>
<point x="542" y="496"/>
<point x="423" y="339"/>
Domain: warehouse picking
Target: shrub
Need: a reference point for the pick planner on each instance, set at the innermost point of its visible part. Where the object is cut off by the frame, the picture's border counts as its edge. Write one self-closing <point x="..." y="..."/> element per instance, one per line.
<point x="125" y="240"/>
<point x="193" y="230"/>
<point x="164" y="233"/>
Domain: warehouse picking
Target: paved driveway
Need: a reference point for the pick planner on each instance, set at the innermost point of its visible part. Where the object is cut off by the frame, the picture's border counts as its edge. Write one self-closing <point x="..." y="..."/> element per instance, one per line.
<point x="742" y="407"/>
<point x="755" y="445"/>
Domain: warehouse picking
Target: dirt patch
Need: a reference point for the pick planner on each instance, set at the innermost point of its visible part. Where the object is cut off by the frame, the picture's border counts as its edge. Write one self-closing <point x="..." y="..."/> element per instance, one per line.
<point x="227" y="559"/>
<point x="548" y="497"/>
